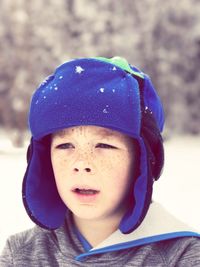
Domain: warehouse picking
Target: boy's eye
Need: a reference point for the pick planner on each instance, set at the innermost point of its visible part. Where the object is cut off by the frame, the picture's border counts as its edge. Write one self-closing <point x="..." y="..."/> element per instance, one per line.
<point x="102" y="145"/>
<point x="70" y="146"/>
<point x="65" y="146"/>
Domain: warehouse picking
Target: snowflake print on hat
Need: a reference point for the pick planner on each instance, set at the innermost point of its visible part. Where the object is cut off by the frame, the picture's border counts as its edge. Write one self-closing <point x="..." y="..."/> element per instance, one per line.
<point x="79" y="69"/>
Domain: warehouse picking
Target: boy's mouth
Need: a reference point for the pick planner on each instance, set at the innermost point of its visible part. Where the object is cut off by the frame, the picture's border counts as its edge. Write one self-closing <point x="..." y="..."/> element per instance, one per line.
<point x="85" y="194"/>
<point x="85" y="191"/>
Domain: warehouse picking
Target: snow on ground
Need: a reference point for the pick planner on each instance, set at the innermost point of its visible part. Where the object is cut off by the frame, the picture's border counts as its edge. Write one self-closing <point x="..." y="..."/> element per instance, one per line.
<point x="178" y="188"/>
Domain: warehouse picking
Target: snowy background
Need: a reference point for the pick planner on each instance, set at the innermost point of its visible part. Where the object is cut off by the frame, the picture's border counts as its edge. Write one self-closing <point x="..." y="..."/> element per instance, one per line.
<point x="177" y="189"/>
<point x="34" y="44"/>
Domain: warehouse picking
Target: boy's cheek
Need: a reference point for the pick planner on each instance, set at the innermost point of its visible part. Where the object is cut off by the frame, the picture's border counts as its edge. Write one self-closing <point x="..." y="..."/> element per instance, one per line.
<point x="57" y="159"/>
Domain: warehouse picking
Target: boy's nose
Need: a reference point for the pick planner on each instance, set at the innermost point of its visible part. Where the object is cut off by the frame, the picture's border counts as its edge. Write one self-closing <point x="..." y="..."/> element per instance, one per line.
<point x="87" y="169"/>
<point x="83" y="166"/>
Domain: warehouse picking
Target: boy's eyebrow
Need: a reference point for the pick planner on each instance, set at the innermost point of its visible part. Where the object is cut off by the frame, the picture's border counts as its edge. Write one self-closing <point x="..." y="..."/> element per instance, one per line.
<point x="102" y="132"/>
<point x="105" y="133"/>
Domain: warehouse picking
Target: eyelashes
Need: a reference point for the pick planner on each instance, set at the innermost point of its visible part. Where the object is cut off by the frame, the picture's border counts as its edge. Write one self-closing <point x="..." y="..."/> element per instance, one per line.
<point x="71" y="146"/>
<point x="102" y="145"/>
<point x="65" y="146"/>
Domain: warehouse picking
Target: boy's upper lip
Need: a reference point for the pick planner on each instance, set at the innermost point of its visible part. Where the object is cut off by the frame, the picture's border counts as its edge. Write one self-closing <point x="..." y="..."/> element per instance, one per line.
<point x="83" y="186"/>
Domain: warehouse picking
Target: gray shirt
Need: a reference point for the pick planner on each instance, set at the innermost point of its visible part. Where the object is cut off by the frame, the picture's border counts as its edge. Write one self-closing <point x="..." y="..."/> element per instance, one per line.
<point x="61" y="247"/>
<point x="38" y="247"/>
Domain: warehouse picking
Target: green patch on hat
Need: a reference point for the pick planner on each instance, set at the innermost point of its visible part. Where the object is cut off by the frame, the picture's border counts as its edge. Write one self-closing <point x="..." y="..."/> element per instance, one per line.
<point x="121" y="63"/>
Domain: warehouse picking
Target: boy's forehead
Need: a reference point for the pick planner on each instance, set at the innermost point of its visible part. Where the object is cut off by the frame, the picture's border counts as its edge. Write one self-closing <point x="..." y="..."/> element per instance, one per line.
<point x="94" y="130"/>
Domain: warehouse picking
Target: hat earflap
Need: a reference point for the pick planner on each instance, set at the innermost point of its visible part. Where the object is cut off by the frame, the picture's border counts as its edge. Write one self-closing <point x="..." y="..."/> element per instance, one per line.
<point x="154" y="144"/>
<point x="40" y="196"/>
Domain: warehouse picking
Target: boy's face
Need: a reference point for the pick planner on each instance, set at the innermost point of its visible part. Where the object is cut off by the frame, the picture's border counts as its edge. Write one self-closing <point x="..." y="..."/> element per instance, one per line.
<point x="94" y="169"/>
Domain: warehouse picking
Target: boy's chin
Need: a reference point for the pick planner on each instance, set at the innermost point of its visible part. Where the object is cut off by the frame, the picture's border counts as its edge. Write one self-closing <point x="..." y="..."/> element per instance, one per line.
<point x="87" y="214"/>
<point x="96" y="216"/>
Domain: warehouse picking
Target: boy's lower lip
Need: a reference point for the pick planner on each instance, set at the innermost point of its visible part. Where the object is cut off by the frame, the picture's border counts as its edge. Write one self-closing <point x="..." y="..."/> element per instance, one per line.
<point x="86" y="198"/>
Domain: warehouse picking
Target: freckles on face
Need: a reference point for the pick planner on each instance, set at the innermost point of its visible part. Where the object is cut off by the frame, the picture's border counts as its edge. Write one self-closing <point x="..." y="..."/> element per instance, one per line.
<point x="92" y="157"/>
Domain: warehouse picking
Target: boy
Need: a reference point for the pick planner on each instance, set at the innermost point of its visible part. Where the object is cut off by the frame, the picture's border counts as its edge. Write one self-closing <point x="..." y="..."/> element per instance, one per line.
<point x="95" y="151"/>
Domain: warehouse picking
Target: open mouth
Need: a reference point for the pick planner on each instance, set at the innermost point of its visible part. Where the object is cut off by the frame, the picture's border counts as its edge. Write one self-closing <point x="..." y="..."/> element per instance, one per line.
<point x="85" y="191"/>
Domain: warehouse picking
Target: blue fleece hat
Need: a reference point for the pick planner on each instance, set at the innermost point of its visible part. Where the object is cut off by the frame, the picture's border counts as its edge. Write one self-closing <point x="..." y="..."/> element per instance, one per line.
<point x="88" y="91"/>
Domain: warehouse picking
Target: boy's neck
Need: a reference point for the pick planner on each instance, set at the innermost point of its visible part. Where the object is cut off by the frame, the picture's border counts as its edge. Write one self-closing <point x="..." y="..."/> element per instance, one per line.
<point x="96" y="231"/>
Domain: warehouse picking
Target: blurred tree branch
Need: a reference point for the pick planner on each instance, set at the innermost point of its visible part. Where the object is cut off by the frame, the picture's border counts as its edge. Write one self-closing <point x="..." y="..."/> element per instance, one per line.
<point x="162" y="38"/>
